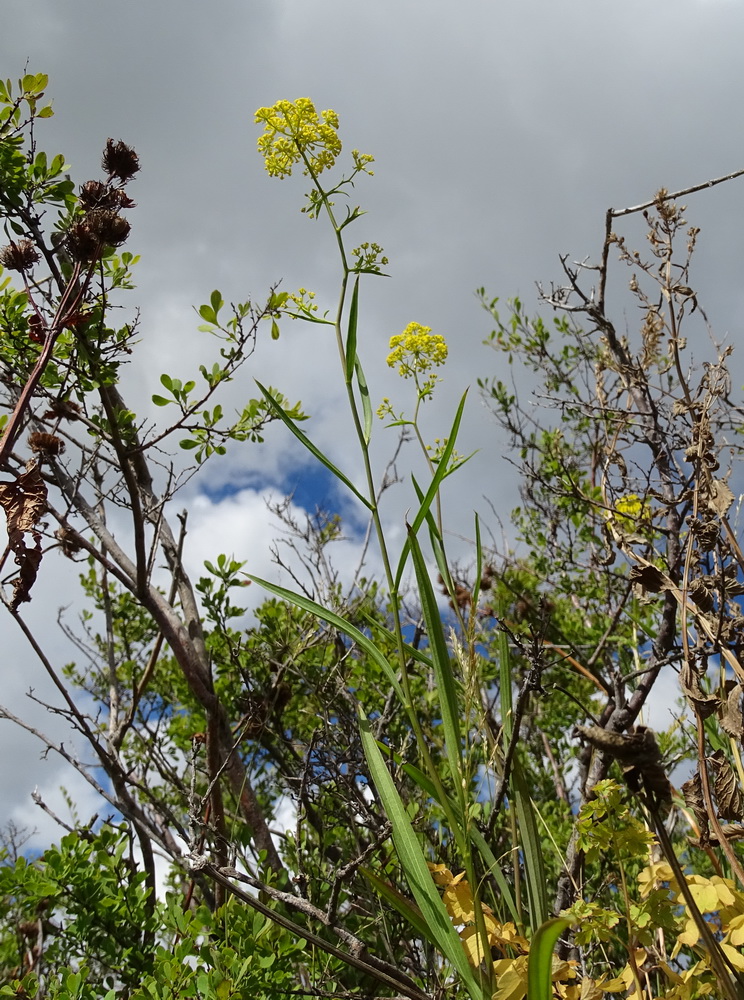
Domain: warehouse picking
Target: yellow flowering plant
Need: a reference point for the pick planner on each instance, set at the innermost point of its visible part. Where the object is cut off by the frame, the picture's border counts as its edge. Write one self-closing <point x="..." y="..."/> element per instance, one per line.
<point x="294" y="133"/>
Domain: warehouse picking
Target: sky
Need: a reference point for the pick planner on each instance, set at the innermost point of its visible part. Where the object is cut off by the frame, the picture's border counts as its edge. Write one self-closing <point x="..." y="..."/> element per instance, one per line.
<point x="502" y="132"/>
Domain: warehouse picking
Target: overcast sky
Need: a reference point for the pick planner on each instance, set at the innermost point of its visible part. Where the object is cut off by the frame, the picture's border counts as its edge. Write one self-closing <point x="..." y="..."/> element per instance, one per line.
<point x="502" y="131"/>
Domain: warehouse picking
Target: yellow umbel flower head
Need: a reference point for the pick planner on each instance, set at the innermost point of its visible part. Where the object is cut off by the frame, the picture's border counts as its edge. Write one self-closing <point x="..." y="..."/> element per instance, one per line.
<point x="416" y="352"/>
<point x="294" y="131"/>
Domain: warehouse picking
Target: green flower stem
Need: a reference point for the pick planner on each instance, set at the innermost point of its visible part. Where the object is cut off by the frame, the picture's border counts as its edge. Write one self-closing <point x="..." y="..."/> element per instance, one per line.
<point x="379" y="532"/>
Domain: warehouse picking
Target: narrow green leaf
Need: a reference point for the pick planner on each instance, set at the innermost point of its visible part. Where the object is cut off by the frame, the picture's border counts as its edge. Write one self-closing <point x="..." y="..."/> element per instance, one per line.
<point x="161" y="401"/>
<point x="414" y="866"/>
<point x="478" y="563"/>
<point x="433" y="488"/>
<point x="351" y="337"/>
<point x="305" y="440"/>
<point x="534" y="867"/>
<point x="363" y="641"/>
<point x="493" y="868"/>
<point x="440" y="656"/>
<point x="437" y="543"/>
<point x="366" y="404"/>
<point x="404" y="906"/>
<point x="540" y="962"/>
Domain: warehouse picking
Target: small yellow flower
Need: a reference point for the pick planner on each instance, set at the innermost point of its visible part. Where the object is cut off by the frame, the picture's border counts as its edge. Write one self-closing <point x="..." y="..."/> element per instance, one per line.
<point x="293" y="131"/>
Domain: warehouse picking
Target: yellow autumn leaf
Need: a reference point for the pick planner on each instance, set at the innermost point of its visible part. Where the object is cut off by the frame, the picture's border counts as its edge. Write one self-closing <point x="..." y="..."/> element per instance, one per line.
<point x="506" y="936"/>
<point x="733" y="955"/>
<point x="458" y="899"/>
<point x="703" y="893"/>
<point x="724" y="890"/>
<point x="735" y="933"/>
<point x="589" y="990"/>
<point x="440" y="873"/>
<point x="688" y="937"/>
<point x="659" y="872"/>
<point x="471" y="942"/>
<point x="511" y="978"/>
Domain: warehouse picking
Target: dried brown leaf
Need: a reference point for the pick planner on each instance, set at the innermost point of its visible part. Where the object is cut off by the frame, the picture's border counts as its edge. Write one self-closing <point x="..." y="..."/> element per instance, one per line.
<point x="732" y="720"/>
<point x="24" y="503"/>
<point x="728" y="794"/>
<point x="649" y="578"/>
<point x="720" y="497"/>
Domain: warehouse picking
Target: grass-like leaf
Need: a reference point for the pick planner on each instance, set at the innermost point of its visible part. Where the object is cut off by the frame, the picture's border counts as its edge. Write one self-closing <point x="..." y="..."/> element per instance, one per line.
<point x="431" y="493"/>
<point x="540" y="963"/>
<point x="413" y="863"/>
<point x="326" y="615"/>
<point x="439" y="652"/>
<point x="313" y="449"/>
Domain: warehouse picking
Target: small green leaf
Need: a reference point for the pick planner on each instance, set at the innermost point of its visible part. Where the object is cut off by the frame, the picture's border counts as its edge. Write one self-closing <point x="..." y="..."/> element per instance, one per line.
<point x="161" y="401"/>
<point x="167" y="381"/>
<point x="216" y="301"/>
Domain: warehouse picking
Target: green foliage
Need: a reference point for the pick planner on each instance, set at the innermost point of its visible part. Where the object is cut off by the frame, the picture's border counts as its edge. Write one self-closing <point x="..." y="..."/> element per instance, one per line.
<point x="450" y="761"/>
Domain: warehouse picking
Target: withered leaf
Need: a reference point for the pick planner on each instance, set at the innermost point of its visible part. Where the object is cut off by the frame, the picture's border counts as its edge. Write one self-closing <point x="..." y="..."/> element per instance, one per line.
<point x="24" y="503"/>
<point x="648" y="577"/>
<point x="720" y="497"/>
<point x="700" y="594"/>
<point x="692" y="791"/>
<point x="705" y="704"/>
<point x="728" y="794"/>
<point x="640" y="757"/>
<point x="731" y="716"/>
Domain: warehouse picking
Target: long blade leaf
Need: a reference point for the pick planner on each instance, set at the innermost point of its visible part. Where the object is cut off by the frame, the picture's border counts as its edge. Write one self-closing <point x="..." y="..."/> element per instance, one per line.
<point x="431" y="493"/>
<point x="313" y="449"/>
<point x="444" y="676"/>
<point x="414" y="865"/>
<point x="540" y="962"/>
<point x="363" y="641"/>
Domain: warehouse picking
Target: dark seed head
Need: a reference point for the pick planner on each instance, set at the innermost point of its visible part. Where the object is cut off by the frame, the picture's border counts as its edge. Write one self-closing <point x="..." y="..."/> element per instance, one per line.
<point x="20" y="256"/>
<point x="120" y="160"/>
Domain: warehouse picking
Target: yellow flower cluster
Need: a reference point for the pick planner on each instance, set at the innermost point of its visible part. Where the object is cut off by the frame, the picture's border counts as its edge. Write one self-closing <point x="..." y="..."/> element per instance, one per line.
<point x="417" y="350"/>
<point x="294" y="131"/>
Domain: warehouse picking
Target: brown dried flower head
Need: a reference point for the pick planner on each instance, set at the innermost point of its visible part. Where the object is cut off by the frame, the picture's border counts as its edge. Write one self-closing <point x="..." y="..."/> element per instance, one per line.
<point x="82" y="244"/>
<point x="108" y="226"/>
<point x="68" y="541"/>
<point x="20" y="256"/>
<point x="46" y="444"/>
<point x="96" y="194"/>
<point x="120" y="160"/>
<point x="63" y="408"/>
